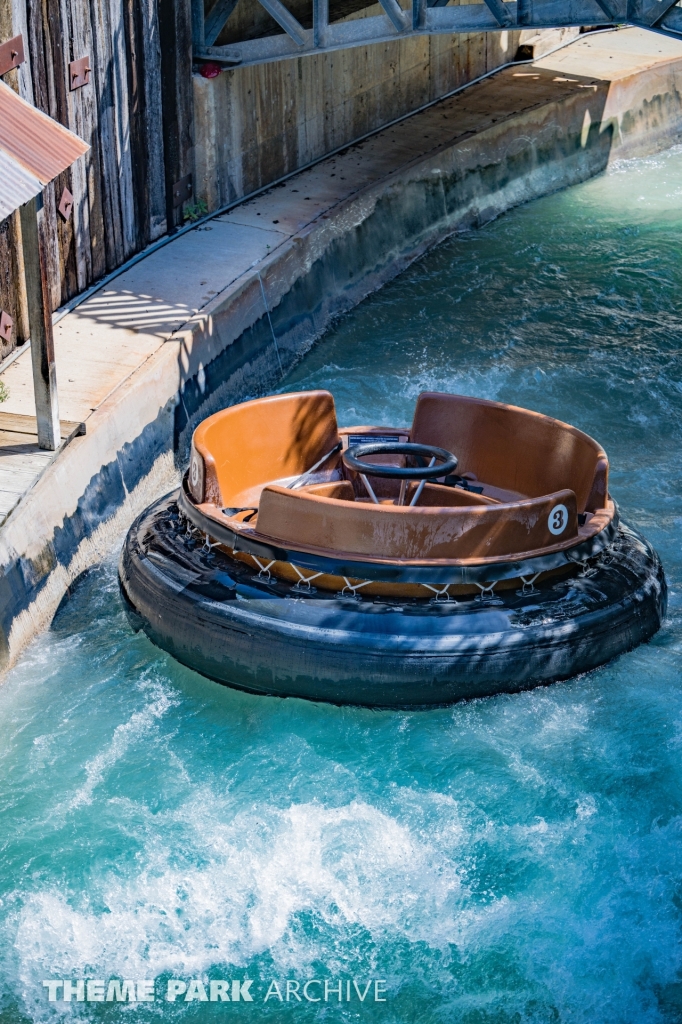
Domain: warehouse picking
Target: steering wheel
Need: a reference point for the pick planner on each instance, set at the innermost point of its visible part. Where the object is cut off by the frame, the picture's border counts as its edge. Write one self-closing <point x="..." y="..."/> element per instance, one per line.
<point x="352" y="456"/>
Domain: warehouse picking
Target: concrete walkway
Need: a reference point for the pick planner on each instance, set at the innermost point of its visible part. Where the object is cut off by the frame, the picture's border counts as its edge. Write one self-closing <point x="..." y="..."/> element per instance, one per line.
<point x="107" y="338"/>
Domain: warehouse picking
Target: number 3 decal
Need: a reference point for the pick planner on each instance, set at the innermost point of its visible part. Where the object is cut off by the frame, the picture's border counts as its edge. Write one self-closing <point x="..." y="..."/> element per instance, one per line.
<point x="558" y="520"/>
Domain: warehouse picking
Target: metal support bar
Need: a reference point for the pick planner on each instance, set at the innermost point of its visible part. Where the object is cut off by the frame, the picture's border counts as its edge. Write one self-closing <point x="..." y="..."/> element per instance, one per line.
<point x="431" y="18"/>
<point x="608" y="10"/>
<point x="652" y="15"/>
<point x="672" y="23"/>
<point x="215" y="22"/>
<point x="418" y="492"/>
<point x="40" y="323"/>
<point x="524" y="12"/>
<point x="198" y="41"/>
<point x="368" y="488"/>
<point x="500" y="12"/>
<point x="320" y="21"/>
<point x="286" y="20"/>
<point x="395" y="13"/>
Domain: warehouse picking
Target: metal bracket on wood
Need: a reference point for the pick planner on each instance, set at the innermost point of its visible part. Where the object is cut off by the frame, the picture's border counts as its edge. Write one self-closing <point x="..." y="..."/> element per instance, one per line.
<point x="65" y="205"/>
<point x="79" y="73"/>
<point x="6" y="323"/>
<point x="11" y="54"/>
<point x="182" y="190"/>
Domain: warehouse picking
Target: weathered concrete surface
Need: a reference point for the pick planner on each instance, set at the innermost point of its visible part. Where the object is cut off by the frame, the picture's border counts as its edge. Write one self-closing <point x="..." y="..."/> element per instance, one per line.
<point x="255" y="124"/>
<point x="222" y="312"/>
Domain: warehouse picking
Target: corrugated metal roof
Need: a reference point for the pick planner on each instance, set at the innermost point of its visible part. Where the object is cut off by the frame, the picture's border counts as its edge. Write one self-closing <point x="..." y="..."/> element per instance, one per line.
<point x="17" y="185"/>
<point x="34" y="149"/>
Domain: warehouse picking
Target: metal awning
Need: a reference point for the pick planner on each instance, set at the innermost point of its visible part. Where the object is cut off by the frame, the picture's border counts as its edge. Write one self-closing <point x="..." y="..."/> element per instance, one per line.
<point x="34" y="149"/>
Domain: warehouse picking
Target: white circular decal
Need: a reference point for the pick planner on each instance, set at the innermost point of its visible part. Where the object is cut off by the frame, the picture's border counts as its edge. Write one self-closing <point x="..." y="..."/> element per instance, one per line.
<point x="194" y="472"/>
<point x="558" y="520"/>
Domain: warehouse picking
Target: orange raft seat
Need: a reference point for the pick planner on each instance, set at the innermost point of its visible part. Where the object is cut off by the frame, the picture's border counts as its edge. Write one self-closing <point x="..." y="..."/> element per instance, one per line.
<point x="473" y="552"/>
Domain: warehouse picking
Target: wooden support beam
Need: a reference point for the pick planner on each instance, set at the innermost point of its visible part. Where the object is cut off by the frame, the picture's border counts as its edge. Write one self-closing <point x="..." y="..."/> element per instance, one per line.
<point x="175" y="37"/>
<point x="40" y="323"/>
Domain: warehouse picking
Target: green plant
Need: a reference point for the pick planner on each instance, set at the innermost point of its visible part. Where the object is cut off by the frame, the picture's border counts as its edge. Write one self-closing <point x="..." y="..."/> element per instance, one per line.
<point x="195" y="211"/>
<point x="4" y="391"/>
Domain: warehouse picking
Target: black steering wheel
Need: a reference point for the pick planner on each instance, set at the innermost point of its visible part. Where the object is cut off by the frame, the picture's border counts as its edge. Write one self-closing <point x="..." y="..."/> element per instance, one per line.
<point x="351" y="459"/>
<point x="352" y="456"/>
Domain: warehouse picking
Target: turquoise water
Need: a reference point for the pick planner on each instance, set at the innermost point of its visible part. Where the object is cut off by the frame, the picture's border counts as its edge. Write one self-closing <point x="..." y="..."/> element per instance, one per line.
<point x="516" y="859"/>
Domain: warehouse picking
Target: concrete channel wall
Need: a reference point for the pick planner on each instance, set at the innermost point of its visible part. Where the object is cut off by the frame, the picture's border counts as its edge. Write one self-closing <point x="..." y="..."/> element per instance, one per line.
<point x="334" y="234"/>
<point x="254" y="124"/>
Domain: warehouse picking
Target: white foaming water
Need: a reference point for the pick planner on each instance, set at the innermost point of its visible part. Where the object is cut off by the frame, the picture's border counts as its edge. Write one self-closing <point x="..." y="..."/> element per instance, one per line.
<point x="257" y="870"/>
<point x="508" y="861"/>
<point x="137" y="728"/>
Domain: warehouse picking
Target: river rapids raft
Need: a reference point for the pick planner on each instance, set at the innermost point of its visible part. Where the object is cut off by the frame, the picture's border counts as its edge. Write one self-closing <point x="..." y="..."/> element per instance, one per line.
<point x="476" y="552"/>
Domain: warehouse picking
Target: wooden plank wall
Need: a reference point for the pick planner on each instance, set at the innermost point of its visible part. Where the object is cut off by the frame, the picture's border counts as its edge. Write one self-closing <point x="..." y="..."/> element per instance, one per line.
<point x="177" y="98"/>
<point x="119" y="186"/>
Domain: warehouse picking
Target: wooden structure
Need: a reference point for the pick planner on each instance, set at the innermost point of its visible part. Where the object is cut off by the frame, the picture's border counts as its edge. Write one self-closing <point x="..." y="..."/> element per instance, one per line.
<point x="33" y="151"/>
<point x="135" y="91"/>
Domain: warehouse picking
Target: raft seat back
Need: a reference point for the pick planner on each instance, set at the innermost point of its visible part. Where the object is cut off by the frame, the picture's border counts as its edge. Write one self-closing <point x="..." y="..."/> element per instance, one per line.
<point x="301" y="520"/>
<point x="239" y="450"/>
<point x="514" y="449"/>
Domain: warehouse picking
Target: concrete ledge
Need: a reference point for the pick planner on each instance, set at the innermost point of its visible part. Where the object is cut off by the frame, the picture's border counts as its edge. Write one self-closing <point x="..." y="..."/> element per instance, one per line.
<point x="334" y="234"/>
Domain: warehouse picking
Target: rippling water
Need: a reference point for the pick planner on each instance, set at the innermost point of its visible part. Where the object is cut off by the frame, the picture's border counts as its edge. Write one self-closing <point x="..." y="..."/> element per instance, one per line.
<point x="516" y="859"/>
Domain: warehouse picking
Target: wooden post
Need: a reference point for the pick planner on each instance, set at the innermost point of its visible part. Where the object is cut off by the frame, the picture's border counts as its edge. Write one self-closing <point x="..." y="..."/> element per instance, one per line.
<point x="175" y="37"/>
<point x="40" y="323"/>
